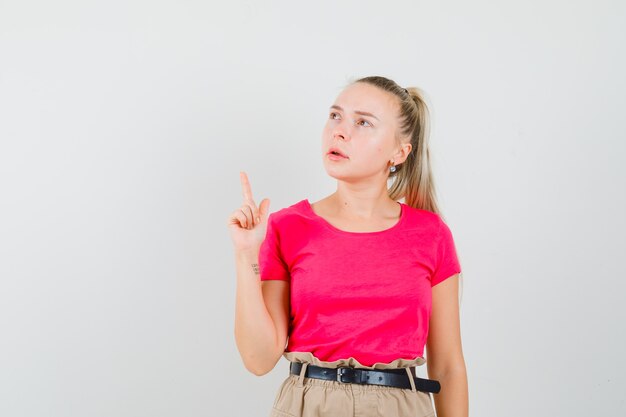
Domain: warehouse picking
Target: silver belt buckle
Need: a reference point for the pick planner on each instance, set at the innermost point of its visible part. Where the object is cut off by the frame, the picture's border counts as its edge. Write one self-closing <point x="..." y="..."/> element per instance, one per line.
<point x="342" y="371"/>
<point x="339" y="374"/>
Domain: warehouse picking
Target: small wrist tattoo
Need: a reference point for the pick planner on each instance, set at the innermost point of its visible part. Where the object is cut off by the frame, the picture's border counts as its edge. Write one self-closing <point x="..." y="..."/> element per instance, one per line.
<point x="255" y="267"/>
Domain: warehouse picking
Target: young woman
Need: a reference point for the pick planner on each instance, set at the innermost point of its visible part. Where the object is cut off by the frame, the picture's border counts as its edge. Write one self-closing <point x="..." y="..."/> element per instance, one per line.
<point x="353" y="288"/>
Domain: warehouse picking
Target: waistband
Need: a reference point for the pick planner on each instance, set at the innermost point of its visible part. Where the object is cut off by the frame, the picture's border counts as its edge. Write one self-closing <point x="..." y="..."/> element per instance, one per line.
<point x="399" y="378"/>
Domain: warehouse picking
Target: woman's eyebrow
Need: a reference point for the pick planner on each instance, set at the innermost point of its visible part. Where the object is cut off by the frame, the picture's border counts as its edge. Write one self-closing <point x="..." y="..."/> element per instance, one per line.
<point x="364" y="113"/>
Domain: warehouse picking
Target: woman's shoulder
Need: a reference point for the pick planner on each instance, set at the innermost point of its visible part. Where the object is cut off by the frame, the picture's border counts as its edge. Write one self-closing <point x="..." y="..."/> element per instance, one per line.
<point x="296" y="209"/>
<point x="424" y="222"/>
<point x="422" y="216"/>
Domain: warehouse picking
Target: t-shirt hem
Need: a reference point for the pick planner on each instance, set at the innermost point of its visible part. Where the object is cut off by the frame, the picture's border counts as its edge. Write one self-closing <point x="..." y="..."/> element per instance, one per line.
<point x="294" y="356"/>
<point x="445" y="276"/>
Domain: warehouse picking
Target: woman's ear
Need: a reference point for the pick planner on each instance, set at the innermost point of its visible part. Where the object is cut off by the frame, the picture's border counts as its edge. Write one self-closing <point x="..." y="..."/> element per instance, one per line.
<point x="403" y="153"/>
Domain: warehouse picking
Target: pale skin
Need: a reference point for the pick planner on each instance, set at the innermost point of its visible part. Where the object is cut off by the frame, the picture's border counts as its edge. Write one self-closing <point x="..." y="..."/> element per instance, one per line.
<point x="360" y="204"/>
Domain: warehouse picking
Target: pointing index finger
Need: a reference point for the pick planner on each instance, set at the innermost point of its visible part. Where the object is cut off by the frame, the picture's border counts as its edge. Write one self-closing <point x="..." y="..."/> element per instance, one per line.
<point x="245" y="187"/>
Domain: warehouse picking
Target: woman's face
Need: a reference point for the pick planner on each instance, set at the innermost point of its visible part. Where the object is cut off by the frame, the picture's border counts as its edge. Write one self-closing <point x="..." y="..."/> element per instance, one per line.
<point x="362" y="124"/>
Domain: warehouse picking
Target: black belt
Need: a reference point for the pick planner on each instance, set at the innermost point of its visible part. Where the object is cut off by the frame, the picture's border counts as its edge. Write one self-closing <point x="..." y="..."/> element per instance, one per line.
<point x="397" y="377"/>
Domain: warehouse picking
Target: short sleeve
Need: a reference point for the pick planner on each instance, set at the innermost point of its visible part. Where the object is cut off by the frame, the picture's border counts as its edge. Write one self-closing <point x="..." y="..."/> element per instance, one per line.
<point x="447" y="263"/>
<point x="271" y="263"/>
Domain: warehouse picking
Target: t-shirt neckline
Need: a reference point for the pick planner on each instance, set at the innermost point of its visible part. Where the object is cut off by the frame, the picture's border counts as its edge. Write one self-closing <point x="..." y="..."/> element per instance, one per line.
<point x="322" y="220"/>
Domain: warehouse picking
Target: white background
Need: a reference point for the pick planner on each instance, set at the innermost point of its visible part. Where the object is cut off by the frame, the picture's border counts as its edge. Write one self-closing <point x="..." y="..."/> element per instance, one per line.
<point x="124" y="125"/>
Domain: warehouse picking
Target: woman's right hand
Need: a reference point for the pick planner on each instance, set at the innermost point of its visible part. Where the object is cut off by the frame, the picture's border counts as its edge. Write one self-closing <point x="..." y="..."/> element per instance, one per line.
<point x="248" y="224"/>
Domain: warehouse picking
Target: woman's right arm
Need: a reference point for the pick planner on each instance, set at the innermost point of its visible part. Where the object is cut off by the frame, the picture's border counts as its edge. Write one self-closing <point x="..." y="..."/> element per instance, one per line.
<point x="262" y="307"/>
<point x="261" y="315"/>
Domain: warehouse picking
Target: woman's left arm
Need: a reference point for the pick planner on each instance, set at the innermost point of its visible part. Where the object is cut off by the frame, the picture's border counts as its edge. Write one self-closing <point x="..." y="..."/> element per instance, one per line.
<point x="444" y="354"/>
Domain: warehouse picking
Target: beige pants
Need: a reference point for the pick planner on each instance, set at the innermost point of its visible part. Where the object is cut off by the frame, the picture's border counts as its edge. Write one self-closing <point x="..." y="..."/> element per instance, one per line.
<point x="310" y="397"/>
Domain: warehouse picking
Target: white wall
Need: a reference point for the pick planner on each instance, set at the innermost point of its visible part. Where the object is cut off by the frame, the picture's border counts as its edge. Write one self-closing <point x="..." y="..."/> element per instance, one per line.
<point x="124" y="124"/>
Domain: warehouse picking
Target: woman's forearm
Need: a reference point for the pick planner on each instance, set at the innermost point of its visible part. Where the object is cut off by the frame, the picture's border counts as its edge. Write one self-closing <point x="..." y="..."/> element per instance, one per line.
<point x="452" y="399"/>
<point x="255" y="332"/>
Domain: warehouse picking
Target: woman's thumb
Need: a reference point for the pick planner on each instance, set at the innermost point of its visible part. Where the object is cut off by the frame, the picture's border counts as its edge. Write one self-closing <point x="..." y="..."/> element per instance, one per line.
<point x="264" y="208"/>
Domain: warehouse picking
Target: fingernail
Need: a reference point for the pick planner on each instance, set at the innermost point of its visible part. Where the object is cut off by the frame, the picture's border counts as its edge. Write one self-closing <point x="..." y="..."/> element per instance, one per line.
<point x="258" y="220"/>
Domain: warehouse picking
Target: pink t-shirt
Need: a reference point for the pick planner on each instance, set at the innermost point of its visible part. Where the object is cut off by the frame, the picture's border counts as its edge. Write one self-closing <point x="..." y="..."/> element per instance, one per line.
<point x="365" y="295"/>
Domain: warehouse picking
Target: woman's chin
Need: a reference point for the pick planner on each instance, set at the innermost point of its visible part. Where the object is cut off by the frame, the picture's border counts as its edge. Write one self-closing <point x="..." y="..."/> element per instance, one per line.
<point x="338" y="174"/>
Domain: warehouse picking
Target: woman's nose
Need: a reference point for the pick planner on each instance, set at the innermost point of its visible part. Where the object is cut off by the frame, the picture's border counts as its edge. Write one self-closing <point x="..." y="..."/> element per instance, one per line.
<point x="341" y="130"/>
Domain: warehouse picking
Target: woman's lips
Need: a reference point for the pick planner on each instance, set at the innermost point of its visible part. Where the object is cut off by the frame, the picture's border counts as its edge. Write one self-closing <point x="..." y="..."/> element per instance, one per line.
<point x="337" y="152"/>
<point x="335" y="157"/>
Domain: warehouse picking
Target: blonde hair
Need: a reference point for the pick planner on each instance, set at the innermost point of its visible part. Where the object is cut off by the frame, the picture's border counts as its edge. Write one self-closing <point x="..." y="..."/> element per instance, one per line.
<point x="413" y="179"/>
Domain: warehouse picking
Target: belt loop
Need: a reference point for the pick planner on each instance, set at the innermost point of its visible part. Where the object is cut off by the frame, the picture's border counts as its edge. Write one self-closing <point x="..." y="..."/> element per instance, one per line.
<point x="301" y="376"/>
<point x="411" y="380"/>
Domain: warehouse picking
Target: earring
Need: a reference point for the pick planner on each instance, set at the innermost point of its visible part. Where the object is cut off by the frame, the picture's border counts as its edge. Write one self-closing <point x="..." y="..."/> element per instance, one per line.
<point x="392" y="168"/>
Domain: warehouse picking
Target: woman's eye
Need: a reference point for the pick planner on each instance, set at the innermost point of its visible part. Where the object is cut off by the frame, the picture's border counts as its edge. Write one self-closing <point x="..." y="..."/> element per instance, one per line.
<point x="368" y="123"/>
<point x="332" y="115"/>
